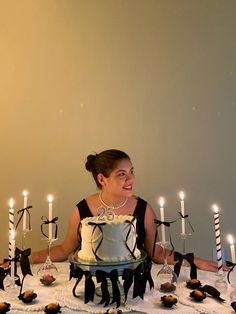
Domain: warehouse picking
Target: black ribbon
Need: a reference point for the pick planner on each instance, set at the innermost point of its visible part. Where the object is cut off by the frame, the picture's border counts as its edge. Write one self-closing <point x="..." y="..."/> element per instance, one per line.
<point x="102" y="277"/>
<point x="89" y="289"/>
<point x="212" y="291"/>
<point x="232" y="265"/>
<point x="46" y="222"/>
<point x="178" y="257"/>
<point x="3" y="273"/>
<point x="167" y="224"/>
<point x="97" y="225"/>
<point x="186" y="217"/>
<point x="130" y="222"/>
<point x="21" y="211"/>
<point x="139" y="276"/>
<point x="23" y="257"/>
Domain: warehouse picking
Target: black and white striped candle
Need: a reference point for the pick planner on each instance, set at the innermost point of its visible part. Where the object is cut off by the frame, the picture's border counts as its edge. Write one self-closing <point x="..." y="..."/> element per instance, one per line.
<point x="11" y="226"/>
<point x="218" y="239"/>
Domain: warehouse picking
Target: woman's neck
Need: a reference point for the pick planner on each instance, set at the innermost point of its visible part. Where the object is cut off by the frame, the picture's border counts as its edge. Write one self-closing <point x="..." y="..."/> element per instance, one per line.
<point x="114" y="202"/>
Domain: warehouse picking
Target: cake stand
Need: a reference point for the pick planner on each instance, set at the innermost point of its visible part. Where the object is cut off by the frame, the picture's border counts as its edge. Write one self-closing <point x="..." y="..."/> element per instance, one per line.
<point x="120" y="266"/>
<point x="106" y="266"/>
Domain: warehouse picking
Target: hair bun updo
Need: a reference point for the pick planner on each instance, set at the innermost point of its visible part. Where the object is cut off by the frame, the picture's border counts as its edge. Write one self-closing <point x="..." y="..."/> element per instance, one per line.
<point x="89" y="165"/>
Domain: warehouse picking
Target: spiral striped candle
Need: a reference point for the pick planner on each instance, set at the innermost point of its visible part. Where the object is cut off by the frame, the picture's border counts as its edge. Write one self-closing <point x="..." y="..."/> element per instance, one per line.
<point x="218" y="240"/>
<point x="11" y="226"/>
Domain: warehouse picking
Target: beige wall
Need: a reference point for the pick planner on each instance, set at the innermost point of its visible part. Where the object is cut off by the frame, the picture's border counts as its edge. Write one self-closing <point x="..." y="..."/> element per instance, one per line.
<point x="154" y="78"/>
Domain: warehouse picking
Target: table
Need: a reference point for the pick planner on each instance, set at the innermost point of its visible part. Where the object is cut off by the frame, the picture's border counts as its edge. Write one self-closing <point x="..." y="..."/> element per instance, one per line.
<point x="61" y="292"/>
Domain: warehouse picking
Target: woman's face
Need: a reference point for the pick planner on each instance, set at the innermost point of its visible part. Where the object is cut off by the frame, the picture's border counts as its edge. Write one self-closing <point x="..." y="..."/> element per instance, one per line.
<point x="121" y="180"/>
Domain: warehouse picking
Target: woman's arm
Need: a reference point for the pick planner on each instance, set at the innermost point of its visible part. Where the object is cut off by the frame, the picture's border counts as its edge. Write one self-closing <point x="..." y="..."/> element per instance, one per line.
<point x="59" y="253"/>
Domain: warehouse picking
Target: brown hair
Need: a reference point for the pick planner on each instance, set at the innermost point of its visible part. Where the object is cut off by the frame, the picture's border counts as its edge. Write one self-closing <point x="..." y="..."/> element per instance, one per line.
<point x="104" y="162"/>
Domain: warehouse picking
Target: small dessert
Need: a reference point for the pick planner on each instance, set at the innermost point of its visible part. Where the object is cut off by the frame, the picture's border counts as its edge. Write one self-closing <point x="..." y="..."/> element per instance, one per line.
<point x="4" y="307"/>
<point x="197" y="295"/>
<point x="193" y="284"/>
<point x="28" y="296"/>
<point x="52" y="308"/>
<point x="168" y="300"/>
<point x="167" y="287"/>
<point x="113" y="311"/>
<point x="47" y="279"/>
<point x="233" y="304"/>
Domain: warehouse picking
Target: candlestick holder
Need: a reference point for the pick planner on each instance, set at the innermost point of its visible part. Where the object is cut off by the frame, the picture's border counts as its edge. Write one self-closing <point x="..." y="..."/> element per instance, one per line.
<point x="48" y="272"/>
<point x="220" y="282"/>
<point x="166" y="277"/>
<point x="184" y="236"/>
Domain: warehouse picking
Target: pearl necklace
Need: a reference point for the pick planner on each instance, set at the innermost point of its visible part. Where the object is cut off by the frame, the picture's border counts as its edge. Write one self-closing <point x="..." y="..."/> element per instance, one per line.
<point x="109" y="206"/>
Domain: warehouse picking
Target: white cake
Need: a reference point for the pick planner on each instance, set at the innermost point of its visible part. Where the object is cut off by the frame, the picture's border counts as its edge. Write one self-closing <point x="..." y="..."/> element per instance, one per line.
<point x="108" y="240"/>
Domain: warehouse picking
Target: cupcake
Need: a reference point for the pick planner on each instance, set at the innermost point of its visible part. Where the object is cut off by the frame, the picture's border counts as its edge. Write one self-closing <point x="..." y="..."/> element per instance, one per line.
<point x="4" y="307"/>
<point x="197" y="295"/>
<point x="52" y="308"/>
<point x="193" y="284"/>
<point x="168" y="300"/>
<point x="28" y="296"/>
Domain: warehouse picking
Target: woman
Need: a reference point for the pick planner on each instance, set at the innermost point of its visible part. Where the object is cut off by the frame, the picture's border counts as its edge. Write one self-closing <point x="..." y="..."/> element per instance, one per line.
<point x="113" y="173"/>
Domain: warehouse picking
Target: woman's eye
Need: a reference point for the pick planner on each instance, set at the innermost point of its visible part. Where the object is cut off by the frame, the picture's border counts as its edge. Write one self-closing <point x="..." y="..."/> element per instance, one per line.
<point x="122" y="174"/>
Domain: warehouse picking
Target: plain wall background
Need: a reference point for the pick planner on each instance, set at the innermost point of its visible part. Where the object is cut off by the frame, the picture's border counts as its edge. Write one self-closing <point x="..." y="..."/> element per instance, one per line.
<point x="155" y="78"/>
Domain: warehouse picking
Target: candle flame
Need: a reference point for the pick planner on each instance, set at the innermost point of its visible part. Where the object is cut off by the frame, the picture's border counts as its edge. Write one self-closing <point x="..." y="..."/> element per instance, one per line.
<point x="25" y="193"/>
<point x="12" y="234"/>
<point x="50" y="199"/>
<point x="161" y="201"/>
<point x="215" y="208"/>
<point x="230" y="239"/>
<point x="11" y="203"/>
<point x="181" y="194"/>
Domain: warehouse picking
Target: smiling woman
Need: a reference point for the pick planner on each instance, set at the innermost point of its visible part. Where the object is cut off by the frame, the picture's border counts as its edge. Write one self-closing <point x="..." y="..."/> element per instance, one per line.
<point x="113" y="173"/>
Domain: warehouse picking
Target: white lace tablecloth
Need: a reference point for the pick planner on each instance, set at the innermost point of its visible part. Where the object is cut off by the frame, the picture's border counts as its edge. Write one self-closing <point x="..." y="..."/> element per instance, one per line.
<point x="61" y="292"/>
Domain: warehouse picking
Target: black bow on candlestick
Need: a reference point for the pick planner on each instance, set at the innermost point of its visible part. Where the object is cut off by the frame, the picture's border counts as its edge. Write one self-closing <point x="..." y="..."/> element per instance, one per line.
<point x="46" y="222"/>
<point x="178" y="257"/>
<point x="186" y="217"/>
<point x="21" y="211"/>
<point x="23" y="257"/>
<point x="232" y="265"/>
<point x="166" y="224"/>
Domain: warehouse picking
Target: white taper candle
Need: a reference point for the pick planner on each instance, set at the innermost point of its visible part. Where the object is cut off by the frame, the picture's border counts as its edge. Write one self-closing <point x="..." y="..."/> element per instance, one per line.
<point x="218" y="239"/>
<point x="50" y="198"/>
<point x="163" y="236"/>
<point x="182" y="210"/>
<point x="11" y="225"/>
<point x="13" y="248"/>
<point x="25" y="194"/>
<point x="232" y="248"/>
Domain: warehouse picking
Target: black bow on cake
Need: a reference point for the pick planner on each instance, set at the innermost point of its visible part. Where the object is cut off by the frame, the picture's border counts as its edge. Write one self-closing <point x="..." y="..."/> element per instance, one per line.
<point x="131" y="225"/>
<point x="97" y="225"/>
<point x="139" y="276"/>
<point x="232" y="265"/>
<point x="178" y="257"/>
<point x="46" y="222"/>
<point x="102" y="277"/>
<point x="89" y="289"/>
